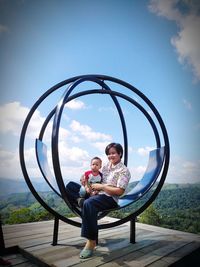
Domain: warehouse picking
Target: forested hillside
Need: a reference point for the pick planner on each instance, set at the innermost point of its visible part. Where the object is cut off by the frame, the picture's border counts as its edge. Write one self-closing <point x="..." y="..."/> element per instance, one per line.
<point x="177" y="206"/>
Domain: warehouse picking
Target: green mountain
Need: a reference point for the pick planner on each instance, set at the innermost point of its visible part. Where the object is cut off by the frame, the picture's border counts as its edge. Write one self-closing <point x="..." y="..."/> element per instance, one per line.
<point x="177" y="206"/>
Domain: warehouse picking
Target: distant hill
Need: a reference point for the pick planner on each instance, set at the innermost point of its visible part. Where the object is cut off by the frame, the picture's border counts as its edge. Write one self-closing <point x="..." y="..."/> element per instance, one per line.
<point x="9" y="186"/>
<point x="178" y="205"/>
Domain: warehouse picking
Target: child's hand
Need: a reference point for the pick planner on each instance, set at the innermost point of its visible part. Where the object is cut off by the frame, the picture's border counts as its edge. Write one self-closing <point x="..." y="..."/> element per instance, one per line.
<point x="88" y="189"/>
<point x="82" y="180"/>
<point x="97" y="187"/>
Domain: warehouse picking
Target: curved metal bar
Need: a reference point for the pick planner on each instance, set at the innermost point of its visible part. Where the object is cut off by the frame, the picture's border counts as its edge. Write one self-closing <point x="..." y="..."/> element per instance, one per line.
<point x="123" y="129"/>
<point x="125" y="145"/>
<point x="23" y="165"/>
<point x="55" y="132"/>
<point x="148" y="102"/>
<point x="132" y="101"/>
<point x="56" y="127"/>
<point x="121" y="119"/>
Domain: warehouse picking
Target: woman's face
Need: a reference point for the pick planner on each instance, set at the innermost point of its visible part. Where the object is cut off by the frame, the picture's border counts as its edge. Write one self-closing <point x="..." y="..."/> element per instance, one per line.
<point x="113" y="156"/>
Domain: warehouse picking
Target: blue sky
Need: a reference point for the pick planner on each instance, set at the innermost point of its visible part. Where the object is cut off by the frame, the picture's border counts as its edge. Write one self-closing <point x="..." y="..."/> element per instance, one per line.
<point x="153" y="45"/>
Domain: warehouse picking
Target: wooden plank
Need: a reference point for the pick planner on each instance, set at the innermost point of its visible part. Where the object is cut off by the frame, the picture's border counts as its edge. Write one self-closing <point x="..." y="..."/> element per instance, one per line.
<point x="101" y="258"/>
<point x="143" y="257"/>
<point x="155" y="246"/>
<point x="68" y="255"/>
<point x="159" y="253"/>
<point x="75" y="240"/>
<point x="15" y="234"/>
<point x="167" y="231"/>
<point x="131" y="258"/>
<point x="19" y="261"/>
<point x="64" y="237"/>
<point x="36" y="237"/>
<point x="15" y="258"/>
<point x="176" y="255"/>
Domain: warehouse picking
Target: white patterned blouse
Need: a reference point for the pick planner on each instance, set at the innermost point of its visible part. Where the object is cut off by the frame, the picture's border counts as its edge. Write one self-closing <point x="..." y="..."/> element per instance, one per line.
<point x="116" y="175"/>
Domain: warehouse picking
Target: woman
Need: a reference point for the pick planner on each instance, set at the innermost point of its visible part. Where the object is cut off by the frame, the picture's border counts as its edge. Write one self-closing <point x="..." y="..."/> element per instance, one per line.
<point x="115" y="180"/>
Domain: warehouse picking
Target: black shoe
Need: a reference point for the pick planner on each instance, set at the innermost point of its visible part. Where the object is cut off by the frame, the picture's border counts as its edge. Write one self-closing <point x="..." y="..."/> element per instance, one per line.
<point x="80" y="201"/>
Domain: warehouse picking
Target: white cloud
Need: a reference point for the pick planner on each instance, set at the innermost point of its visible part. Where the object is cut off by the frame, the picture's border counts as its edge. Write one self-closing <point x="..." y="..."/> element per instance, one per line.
<point x="86" y="131"/>
<point x="74" y="161"/>
<point x="180" y="171"/>
<point x="100" y="145"/>
<point x="9" y="164"/>
<point x="187" y="40"/>
<point x="187" y="43"/>
<point x="100" y="150"/>
<point x="165" y="8"/>
<point x="12" y="116"/>
<point x="75" y="104"/>
<point x="183" y="171"/>
<point x="72" y="154"/>
<point x="137" y="172"/>
<point x="73" y="158"/>
<point x="107" y="109"/>
<point x="144" y="151"/>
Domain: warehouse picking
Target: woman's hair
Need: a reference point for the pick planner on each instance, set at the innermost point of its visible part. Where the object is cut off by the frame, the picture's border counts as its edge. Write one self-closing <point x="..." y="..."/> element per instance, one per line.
<point x="117" y="146"/>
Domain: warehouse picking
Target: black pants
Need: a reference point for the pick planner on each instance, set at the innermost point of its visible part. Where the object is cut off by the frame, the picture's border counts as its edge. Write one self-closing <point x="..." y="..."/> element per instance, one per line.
<point x="91" y="207"/>
<point x="73" y="189"/>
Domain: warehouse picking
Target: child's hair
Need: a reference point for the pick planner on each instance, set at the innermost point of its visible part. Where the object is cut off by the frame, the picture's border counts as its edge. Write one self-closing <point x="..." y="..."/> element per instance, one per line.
<point x="97" y="158"/>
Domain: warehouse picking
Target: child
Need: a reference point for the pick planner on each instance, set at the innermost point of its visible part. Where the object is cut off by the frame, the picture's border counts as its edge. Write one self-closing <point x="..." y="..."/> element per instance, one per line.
<point x="92" y="176"/>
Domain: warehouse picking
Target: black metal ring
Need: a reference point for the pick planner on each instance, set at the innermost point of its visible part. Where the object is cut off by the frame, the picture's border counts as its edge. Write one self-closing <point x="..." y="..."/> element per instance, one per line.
<point x="99" y="79"/>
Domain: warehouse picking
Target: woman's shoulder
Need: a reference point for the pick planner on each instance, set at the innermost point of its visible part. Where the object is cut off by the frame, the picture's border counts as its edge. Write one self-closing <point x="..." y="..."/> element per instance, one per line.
<point x="105" y="167"/>
<point x="123" y="168"/>
<point x="122" y="165"/>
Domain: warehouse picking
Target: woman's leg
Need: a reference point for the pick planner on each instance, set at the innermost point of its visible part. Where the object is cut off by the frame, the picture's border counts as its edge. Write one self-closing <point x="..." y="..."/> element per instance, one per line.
<point x="89" y="229"/>
<point x="72" y="189"/>
<point x="90" y="210"/>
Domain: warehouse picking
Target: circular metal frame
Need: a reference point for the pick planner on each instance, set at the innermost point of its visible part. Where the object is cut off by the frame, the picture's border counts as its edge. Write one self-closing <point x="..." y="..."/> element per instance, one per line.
<point x="57" y="113"/>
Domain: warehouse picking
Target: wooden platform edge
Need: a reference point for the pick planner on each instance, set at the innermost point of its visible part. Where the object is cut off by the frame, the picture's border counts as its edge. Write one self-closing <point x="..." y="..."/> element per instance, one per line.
<point x="32" y="258"/>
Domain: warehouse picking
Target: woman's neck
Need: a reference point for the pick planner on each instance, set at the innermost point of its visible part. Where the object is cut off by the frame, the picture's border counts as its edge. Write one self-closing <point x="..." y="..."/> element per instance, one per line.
<point x="114" y="164"/>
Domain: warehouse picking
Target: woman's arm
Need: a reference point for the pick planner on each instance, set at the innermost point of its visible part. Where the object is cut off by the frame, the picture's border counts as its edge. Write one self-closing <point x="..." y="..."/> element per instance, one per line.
<point x="109" y="189"/>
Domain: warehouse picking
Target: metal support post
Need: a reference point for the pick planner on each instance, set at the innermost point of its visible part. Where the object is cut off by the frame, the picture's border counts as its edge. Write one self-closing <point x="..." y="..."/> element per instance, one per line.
<point x="132" y="230"/>
<point x="2" y="243"/>
<point x="55" y="231"/>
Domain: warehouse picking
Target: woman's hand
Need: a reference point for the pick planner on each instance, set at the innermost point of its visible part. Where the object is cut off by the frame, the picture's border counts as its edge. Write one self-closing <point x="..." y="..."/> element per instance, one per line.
<point x="109" y="189"/>
<point x="97" y="187"/>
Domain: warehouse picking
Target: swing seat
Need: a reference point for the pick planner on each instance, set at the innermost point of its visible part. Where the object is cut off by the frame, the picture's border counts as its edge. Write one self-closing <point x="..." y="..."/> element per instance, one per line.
<point x="155" y="163"/>
<point x="41" y="155"/>
<point x="156" y="159"/>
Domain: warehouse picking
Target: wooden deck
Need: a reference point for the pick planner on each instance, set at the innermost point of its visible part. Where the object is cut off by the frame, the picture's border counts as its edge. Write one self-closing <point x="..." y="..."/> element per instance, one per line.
<point x="155" y="246"/>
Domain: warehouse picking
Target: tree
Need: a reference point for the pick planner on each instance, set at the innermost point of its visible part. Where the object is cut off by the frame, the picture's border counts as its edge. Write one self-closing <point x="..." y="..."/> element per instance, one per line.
<point x="150" y="216"/>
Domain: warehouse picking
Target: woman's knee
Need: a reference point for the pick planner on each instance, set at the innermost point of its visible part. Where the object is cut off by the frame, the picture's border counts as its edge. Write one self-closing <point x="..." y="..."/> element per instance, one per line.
<point x="73" y="186"/>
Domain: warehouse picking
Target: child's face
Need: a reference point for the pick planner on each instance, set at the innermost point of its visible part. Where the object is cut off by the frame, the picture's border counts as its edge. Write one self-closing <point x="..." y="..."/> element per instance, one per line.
<point x="96" y="165"/>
